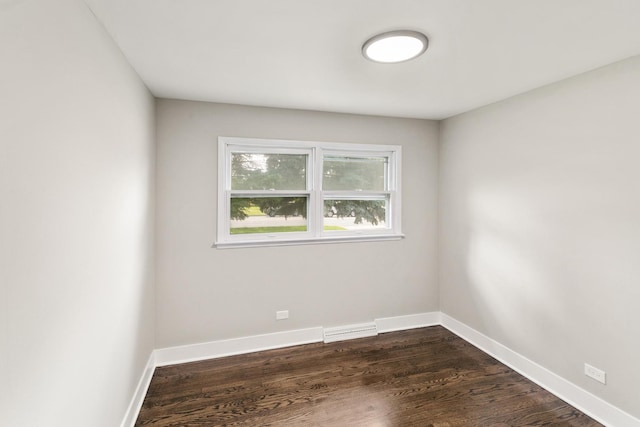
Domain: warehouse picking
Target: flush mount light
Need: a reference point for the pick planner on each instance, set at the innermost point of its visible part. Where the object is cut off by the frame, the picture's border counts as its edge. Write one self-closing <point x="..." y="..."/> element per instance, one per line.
<point x="395" y="46"/>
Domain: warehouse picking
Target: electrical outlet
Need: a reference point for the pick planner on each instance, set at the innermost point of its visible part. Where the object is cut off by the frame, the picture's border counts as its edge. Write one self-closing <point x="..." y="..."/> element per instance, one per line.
<point x="281" y="315"/>
<point x="595" y="373"/>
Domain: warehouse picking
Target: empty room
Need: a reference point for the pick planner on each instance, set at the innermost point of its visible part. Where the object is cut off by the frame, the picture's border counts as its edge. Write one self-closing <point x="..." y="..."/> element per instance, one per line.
<point x="319" y="213"/>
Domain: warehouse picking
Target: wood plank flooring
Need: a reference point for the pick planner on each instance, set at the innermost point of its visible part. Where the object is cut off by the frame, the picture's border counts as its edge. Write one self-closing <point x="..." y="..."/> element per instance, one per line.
<point x="421" y="377"/>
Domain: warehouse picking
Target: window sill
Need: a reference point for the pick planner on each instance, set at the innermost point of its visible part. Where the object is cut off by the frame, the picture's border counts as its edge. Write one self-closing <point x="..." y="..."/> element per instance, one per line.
<point x="314" y="241"/>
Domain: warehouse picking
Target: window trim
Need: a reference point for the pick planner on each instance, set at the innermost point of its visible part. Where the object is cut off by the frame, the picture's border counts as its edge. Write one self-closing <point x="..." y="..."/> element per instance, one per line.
<point x="316" y="196"/>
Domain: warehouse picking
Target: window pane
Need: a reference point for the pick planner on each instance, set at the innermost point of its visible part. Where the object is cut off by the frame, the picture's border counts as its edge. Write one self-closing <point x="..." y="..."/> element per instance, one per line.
<point x="354" y="173"/>
<point x="254" y="215"/>
<point x="354" y="214"/>
<point x="251" y="171"/>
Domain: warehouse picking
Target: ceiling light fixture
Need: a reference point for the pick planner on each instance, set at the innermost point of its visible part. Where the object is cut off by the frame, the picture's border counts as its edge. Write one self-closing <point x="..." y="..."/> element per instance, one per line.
<point x="395" y="46"/>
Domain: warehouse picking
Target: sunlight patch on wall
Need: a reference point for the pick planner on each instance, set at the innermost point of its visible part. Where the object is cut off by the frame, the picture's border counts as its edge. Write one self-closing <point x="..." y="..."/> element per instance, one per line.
<point x="503" y="264"/>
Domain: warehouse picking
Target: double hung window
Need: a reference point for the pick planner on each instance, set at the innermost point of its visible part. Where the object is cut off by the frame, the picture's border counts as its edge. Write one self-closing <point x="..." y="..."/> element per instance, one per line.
<point x="273" y="192"/>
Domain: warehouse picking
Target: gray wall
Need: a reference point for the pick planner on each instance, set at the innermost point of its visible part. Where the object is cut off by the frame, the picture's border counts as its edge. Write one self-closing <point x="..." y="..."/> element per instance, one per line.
<point x="206" y="294"/>
<point x="76" y="249"/>
<point x="540" y="226"/>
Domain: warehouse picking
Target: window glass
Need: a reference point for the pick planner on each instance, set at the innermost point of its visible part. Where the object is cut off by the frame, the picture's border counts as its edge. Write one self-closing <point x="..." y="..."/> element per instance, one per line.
<point x="256" y="215"/>
<point x="256" y="171"/>
<point x="354" y="214"/>
<point x="354" y="173"/>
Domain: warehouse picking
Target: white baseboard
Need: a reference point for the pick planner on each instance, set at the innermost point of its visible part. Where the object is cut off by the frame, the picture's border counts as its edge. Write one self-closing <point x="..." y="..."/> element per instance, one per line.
<point x="231" y="347"/>
<point x="141" y="391"/>
<point x="586" y="402"/>
<point x="596" y="408"/>
<point x="411" y="321"/>
<point x="250" y="344"/>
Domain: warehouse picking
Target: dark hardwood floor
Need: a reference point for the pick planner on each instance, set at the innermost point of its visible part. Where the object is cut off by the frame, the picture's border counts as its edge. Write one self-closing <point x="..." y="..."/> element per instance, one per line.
<point x="420" y="377"/>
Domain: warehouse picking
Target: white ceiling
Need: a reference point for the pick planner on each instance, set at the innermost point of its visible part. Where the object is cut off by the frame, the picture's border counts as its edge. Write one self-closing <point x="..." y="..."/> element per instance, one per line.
<point x="305" y="54"/>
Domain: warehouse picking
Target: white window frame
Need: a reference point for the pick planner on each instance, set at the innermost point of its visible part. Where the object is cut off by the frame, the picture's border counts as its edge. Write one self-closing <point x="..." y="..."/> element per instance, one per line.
<point x="315" y="152"/>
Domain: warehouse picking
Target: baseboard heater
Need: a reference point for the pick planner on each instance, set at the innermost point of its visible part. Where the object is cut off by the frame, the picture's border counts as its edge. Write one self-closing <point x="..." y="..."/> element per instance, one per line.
<point x="350" y="332"/>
